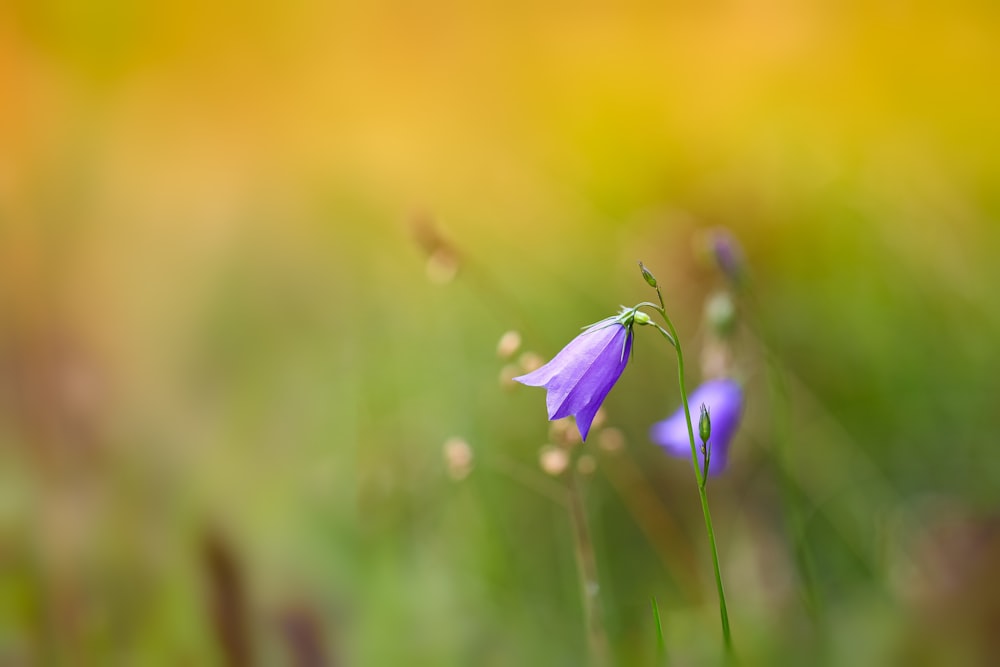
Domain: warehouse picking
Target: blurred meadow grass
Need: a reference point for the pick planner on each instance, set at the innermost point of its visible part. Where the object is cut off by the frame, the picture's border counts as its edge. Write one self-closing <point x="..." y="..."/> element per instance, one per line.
<point x="255" y="262"/>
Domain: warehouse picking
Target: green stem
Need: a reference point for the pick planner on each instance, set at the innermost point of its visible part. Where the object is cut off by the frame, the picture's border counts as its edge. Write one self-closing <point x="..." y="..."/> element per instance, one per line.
<point x="661" y="646"/>
<point x="792" y="501"/>
<point x="701" y="478"/>
<point x="587" y="565"/>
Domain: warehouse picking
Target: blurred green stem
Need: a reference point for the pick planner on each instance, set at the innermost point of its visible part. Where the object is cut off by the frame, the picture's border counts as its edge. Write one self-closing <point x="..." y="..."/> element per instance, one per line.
<point x="792" y="499"/>
<point x="587" y="565"/>
<point x="661" y="646"/>
<point x="671" y="336"/>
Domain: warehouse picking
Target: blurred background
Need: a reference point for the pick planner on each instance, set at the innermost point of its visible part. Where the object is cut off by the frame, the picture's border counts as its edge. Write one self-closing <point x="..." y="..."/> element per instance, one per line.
<point x="255" y="262"/>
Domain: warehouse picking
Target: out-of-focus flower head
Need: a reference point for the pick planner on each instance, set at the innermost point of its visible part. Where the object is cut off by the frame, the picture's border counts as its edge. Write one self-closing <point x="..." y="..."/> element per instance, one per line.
<point x="458" y="458"/>
<point x="578" y="379"/>
<point x="443" y="260"/>
<point x="553" y="460"/>
<point x="509" y="344"/>
<point x="727" y="254"/>
<point x="720" y="314"/>
<point x="724" y="400"/>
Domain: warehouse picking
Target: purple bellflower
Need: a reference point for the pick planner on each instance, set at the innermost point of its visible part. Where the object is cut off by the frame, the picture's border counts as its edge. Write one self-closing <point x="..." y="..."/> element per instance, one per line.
<point x="578" y="379"/>
<point x="727" y="253"/>
<point x="724" y="400"/>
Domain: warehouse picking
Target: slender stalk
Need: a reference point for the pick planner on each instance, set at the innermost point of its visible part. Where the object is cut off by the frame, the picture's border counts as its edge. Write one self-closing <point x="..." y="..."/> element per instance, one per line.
<point x="587" y="565"/>
<point x="661" y="646"/>
<point x="671" y="335"/>
<point x="792" y="500"/>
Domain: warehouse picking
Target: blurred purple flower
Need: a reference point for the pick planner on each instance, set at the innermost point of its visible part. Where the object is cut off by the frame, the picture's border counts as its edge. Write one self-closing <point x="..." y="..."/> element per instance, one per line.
<point x="727" y="253"/>
<point x="724" y="399"/>
<point x="579" y="378"/>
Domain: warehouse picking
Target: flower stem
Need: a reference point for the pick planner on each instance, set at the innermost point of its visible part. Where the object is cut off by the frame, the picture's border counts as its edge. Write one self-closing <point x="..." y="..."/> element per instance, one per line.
<point x="587" y="565"/>
<point x="701" y="477"/>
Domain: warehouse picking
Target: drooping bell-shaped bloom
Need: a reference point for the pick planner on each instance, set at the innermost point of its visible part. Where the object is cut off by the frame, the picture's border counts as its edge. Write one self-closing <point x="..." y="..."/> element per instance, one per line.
<point x="578" y="379"/>
<point x="724" y="400"/>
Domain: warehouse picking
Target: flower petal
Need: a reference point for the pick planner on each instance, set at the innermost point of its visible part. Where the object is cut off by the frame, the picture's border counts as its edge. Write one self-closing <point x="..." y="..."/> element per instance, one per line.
<point x="586" y="397"/>
<point x="579" y="378"/>
<point x="724" y="399"/>
<point x="586" y="346"/>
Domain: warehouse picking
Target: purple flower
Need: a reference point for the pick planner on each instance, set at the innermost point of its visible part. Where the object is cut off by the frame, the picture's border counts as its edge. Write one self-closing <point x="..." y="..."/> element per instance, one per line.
<point x="728" y="254"/>
<point x="579" y="378"/>
<point x="724" y="400"/>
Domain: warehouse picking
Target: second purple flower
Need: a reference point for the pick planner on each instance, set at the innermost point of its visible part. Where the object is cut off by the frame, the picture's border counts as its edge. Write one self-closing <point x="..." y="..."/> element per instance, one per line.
<point x="724" y="400"/>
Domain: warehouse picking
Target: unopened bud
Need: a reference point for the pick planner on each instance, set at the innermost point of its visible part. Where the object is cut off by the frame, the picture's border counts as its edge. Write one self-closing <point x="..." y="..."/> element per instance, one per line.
<point x="720" y="312"/>
<point x="704" y="424"/>
<point x="647" y="275"/>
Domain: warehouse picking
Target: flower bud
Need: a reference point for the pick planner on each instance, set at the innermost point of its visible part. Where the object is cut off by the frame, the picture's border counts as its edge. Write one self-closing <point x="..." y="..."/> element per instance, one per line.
<point x="727" y="254"/>
<point x="704" y="424"/>
<point x="647" y="275"/>
<point x="724" y="397"/>
<point x="720" y="313"/>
